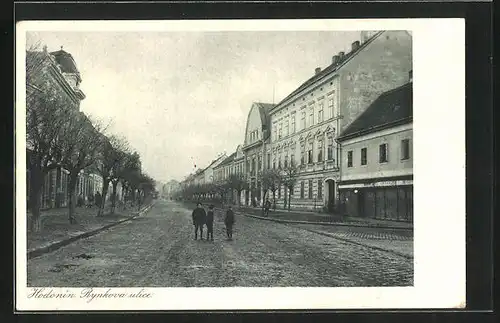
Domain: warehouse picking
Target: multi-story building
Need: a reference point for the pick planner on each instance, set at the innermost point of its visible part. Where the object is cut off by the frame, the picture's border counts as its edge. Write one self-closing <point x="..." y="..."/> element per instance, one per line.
<point x="208" y="172"/>
<point x="376" y="177"/>
<point x="233" y="164"/>
<point x="257" y="135"/>
<point x="305" y="124"/>
<point x="59" y="71"/>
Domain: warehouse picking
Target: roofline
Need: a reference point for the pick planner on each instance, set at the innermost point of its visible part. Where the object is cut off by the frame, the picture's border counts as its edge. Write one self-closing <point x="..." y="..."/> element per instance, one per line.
<point x="377" y="99"/>
<point x="370" y="130"/>
<point x="336" y="69"/>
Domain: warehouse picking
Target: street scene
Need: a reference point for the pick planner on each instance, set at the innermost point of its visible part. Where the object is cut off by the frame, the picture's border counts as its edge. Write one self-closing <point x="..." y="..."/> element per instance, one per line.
<point x="158" y="249"/>
<point x="211" y="159"/>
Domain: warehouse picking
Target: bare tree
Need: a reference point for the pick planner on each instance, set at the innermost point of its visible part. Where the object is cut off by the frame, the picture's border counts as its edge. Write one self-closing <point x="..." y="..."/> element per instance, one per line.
<point x="47" y="110"/>
<point x="289" y="179"/>
<point x="112" y="153"/>
<point x="271" y="180"/>
<point x="80" y="149"/>
<point x="238" y="183"/>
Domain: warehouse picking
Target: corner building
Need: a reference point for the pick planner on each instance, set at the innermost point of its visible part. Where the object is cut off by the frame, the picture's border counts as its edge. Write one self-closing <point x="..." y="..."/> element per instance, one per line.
<point x="254" y="147"/>
<point x="305" y="124"/>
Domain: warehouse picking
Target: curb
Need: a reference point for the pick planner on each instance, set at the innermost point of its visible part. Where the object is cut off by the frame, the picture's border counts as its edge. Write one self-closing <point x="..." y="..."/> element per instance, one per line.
<point x="61" y="243"/>
<point x="360" y="244"/>
<point x="326" y="223"/>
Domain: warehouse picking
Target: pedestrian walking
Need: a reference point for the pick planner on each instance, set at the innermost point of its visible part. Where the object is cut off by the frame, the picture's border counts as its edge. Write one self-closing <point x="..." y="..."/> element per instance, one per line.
<point x="199" y="216"/>
<point x="267" y="206"/>
<point x="210" y="223"/>
<point x="229" y="222"/>
<point x="98" y="199"/>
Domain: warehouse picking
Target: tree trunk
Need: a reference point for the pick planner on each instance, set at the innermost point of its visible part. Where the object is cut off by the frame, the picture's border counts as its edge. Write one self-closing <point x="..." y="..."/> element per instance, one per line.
<point x="239" y="197"/>
<point x="36" y="183"/>
<point x="73" y="179"/>
<point x="289" y="197"/>
<point x="113" y="197"/>
<point x="264" y="201"/>
<point x="274" y="200"/>
<point x="105" y="187"/>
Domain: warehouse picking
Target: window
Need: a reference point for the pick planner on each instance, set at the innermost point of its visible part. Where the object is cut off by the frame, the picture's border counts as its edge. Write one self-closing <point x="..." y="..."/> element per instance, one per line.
<point x="302" y="155"/>
<point x="280" y="130"/>
<point x="363" y="156"/>
<point x="293" y="122"/>
<point x="302" y="189"/>
<point x="310" y="189"/>
<point x="286" y="161"/>
<point x="349" y="158"/>
<point x="303" y="119"/>
<point x="330" y="107"/>
<point x="320" y="112"/>
<point x="382" y="153"/>
<point x="311" y="117"/>
<point x="275" y="129"/>
<point x="320" y="150"/>
<point x="268" y="160"/>
<point x="274" y="163"/>
<point x="310" y="153"/>
<point x="405" y="149"/>
<point x="320" y="189"/>
<point x="292" y="160"/>
<point x="279" y="161"/>
<point x="330" y="148"/>
<point x="260" y="163"/>
<point x="286" y="126"/>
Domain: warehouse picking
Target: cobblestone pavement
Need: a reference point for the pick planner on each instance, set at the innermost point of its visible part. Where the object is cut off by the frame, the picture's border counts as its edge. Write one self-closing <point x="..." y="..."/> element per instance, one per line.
<point x="158" y="250"/>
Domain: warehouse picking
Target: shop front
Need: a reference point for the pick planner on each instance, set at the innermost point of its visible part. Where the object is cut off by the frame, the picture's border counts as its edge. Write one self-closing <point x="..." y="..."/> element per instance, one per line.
<point x="385" y="200"/>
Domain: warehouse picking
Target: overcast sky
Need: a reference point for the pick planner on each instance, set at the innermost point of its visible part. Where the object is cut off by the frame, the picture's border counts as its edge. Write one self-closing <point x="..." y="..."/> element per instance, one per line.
<point x="181" y="98"/>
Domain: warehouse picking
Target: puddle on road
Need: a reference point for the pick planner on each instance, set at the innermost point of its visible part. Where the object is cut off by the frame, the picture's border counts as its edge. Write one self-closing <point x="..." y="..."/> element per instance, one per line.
<point x="83" y="256"/>
<point x="196" y="267"/>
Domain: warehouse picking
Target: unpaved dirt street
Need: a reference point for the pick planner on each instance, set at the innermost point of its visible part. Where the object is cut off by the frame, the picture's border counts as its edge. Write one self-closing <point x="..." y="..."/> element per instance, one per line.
<point x="158" y="250"/>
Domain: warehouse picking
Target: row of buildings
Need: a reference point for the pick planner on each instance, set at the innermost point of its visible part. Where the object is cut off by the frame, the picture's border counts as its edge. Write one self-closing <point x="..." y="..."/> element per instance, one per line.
<point x="348" y="130"/>
<point x="60" y="71"/>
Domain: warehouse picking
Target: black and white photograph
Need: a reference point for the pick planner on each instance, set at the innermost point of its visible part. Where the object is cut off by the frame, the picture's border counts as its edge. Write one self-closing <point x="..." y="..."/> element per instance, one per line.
<point x="191" y="157"/>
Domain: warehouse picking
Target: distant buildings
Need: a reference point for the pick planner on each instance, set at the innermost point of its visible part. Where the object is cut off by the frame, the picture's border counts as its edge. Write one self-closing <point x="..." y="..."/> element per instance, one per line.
<point x="312" y="129"/>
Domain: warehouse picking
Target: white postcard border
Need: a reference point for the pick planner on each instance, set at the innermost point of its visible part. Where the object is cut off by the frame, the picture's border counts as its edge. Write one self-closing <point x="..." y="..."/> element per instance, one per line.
<point x="439" y="180"/>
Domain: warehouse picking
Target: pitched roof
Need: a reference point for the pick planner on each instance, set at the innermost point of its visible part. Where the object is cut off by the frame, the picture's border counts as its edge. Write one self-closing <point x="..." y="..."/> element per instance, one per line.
<point x="66" y="61"/>
<point x="390" y="108"/>
<point x="227" y="160"/>
<point x="331" y="68"/>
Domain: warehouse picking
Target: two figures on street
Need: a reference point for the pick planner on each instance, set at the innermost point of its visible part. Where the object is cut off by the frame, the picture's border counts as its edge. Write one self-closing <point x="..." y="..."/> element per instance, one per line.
<point x="201" y="218"/>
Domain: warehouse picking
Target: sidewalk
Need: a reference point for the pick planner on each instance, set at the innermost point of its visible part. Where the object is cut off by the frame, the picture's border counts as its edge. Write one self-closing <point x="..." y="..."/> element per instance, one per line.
<point x="57" y="232"/>
<point x="322" y="219"/>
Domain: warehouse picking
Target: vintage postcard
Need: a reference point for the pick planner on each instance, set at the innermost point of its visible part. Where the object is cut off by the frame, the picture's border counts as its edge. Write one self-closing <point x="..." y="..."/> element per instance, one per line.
<point x="240" y="164"/>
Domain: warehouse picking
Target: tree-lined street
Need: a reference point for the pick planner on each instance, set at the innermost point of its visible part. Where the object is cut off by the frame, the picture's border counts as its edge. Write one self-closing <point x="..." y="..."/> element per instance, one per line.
<point x="158" y="250"/>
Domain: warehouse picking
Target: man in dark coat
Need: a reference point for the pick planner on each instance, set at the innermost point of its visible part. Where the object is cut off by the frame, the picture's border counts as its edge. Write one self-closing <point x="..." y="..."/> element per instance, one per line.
<point x="210" y="223"/>
<point x="229" y="222"/>
<point x="199" y="216"/>
<point x="267" y="206"/>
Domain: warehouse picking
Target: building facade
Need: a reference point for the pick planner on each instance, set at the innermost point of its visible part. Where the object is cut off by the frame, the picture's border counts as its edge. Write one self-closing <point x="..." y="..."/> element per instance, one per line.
<point x="60" y="73"/>
<point x="257" y="133"/>
<point x="306" y="123"/>
<point x="233" y="164"/>
<point x="377" y="159"/>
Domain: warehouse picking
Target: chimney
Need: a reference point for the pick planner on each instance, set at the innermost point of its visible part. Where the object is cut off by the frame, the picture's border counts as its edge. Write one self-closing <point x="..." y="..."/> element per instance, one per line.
<point x="341" y="55"/>
<point x="317" y="70"/>
<point x="355" y="45"/>
<point x="335" y="59"/>
<point x="410" y="75"/>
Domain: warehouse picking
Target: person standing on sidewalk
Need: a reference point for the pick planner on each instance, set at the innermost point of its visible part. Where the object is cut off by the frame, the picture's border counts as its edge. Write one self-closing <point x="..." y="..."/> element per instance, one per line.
<point x="199" y="216"/>
<point x="229" y="222"/>
<point x="210" y="223"/>
<point x="267" y="206"/>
